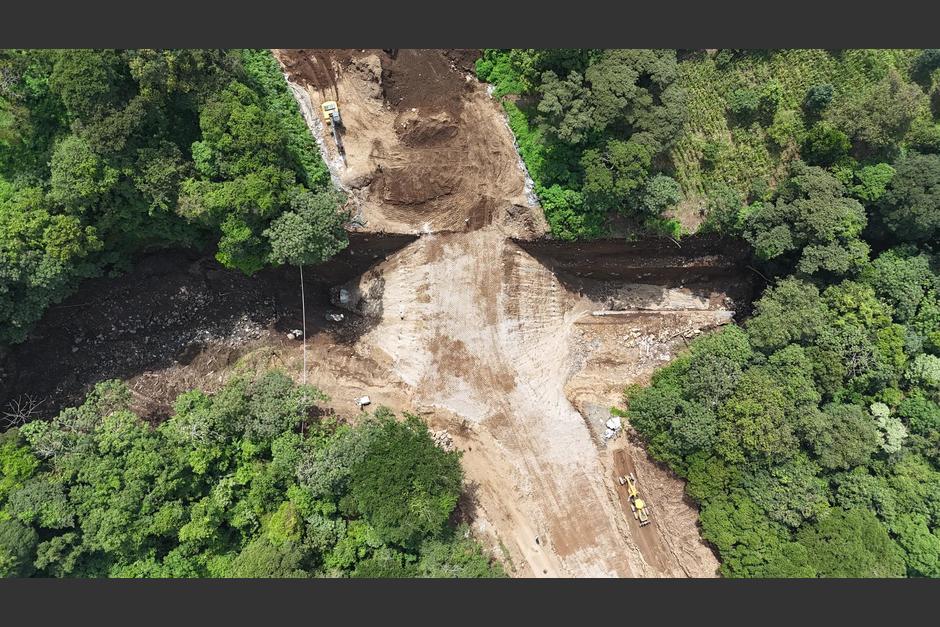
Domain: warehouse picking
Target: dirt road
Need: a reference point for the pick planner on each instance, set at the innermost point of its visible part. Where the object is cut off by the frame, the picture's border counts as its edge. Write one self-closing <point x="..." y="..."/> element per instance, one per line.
<point x="502" y="339"/>
<point x="485" y="339"/>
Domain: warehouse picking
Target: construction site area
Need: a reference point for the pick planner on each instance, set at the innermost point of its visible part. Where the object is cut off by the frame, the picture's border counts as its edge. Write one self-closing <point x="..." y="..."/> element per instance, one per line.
<point x="514" y="345"/>
<point x="452" y="303"/>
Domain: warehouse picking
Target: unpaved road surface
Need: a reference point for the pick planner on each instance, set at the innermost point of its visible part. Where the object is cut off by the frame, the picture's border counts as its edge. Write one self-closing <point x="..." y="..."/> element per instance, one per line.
<point x="426" y="148"/>
<point x="467" y="317"/>
<point x="483" y="338"/>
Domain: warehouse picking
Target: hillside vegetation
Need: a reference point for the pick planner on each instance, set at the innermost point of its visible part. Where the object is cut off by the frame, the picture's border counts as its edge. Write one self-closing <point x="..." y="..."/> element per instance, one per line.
<point x="105" y="153"/>
<point x="663" y="137"/>
<point x="248" y="482"/>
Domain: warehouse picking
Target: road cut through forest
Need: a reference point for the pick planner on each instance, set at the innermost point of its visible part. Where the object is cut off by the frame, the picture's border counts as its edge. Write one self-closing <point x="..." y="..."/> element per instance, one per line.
<point x="459" y="309"/>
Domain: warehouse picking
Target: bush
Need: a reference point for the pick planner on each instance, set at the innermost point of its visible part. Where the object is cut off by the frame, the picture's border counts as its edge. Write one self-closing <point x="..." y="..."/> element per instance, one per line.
<point x="659" y="193"/>
<point x="925" y="64"/>
<point x="818" y="98"/>
<point x="744" y="103"/>
<point x="825" y="144"/>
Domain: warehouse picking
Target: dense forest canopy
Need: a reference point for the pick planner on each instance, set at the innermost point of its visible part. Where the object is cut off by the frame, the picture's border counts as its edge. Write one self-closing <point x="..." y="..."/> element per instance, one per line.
<point x="105" y="153"/>
<point x="248" y="482"/>
<point x="668" y="139"/>
<point x="809" y="434"/>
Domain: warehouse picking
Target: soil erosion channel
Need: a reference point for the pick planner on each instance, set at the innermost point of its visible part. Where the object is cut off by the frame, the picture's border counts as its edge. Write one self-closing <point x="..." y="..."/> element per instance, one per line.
<point x="518" y="364"/>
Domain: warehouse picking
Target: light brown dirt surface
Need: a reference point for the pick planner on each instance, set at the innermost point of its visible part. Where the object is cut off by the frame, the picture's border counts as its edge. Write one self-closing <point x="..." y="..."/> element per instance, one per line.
<point x="516" y="347"/>
<point x="482" y="338"/>
<point x="426" y="149"/>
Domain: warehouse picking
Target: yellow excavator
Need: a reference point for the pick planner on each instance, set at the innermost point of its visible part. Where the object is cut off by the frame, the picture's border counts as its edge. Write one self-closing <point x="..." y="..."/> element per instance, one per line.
<point x="640" y="511"/>
<point x="331" y="117"/>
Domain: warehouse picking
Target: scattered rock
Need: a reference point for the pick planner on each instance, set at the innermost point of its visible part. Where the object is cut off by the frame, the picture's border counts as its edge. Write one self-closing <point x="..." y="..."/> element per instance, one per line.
<point x="443" y="439"/>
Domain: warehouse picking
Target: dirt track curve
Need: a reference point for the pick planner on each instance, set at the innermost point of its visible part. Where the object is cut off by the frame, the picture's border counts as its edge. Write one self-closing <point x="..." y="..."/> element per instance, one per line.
<point x="486" y="340"/>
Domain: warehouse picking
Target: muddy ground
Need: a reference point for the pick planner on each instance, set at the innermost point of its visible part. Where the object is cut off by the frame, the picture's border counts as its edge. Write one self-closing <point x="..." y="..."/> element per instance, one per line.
<point x="178" y="320"/>
<point x="516" y="346"/>
<point x="426" y="149"/>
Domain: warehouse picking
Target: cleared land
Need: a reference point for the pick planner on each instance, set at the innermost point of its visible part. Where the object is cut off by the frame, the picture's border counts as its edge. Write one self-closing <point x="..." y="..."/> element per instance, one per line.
<point x="459" y="311"/>
<point x="485" y="339"/>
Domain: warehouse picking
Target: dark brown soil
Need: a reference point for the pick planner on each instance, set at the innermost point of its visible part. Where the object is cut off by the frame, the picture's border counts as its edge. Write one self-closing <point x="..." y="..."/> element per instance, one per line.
<point x="700" y="263"/>
<point x="426" y="80"/>
<point x="173" y="308"/>
<point x="411" y="79"/>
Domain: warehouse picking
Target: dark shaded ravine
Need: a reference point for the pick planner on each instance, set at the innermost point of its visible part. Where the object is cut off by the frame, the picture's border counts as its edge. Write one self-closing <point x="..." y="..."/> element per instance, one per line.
<point x="164" y="310"/>
<point x="175" y="302"/>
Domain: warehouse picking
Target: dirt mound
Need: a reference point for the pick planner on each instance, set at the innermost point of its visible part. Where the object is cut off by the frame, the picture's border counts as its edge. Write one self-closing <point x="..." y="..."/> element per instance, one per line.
<point x="431" y="153"/>
<point x="417" y="130"/>
<point x="463" y="59"/>
<point x="368" y="70"/>
<point x="315" y="67"/>
<point x="425" y="80"/>
<point x="414" y="185"/>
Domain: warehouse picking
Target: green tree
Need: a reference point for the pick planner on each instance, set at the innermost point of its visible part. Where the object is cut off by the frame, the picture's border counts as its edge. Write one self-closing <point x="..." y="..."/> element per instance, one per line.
<point x="910" y="208"/>
<point x="753" y="421"/>
<point x="613" y="178"/>
<point x="813" y="222"/>
<point x="902" y="279"/>
<point x="263" y="559"/>
<point x="818" y="98"/>
<point x="659" y="193"/>
<point x="873" y="181"/>
<point x="790" y="493"/>
<point x="824" y="144"/>
<point x="311" y="232"/>
<point x="880" y="116"/>
<point x="17" y="548"/>
<point x="842" y="436"/>
<point x="791" y="311"/>
<point x="921" y="546"/>
<point x="405" y="486"/>
<point x="851" y="543"/>
<point x="17" y="463"/>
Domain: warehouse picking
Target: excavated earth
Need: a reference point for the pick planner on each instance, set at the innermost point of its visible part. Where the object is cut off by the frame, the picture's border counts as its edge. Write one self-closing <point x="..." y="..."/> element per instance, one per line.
<point x="456" y="307"/>
<point x="500" y="336"/>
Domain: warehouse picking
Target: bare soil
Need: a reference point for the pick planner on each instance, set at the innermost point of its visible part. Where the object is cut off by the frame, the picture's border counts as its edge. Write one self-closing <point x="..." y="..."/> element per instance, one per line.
<point x="426" y="149"/>
<point x="490" y="332"/>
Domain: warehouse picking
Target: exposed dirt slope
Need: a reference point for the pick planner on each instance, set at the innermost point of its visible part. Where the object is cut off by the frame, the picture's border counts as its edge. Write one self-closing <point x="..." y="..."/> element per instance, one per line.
<point x="426" y="148"/>
<point x="475" y="326"/>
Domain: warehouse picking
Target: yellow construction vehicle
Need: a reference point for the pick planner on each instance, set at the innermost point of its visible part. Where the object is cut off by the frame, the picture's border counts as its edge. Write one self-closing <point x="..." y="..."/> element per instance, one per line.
<point x="330" y="111"/>
<point x="640" y="510"/>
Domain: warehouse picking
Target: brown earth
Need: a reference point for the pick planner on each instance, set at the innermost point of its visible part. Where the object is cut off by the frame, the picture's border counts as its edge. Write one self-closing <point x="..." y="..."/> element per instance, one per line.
<point x="498" y="337"/>
<point x="490" y="330"/>
<point x="426" y="149"/>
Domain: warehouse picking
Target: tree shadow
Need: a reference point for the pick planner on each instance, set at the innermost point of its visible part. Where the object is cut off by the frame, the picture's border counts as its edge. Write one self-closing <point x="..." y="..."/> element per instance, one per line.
<point x="467" y="504"/>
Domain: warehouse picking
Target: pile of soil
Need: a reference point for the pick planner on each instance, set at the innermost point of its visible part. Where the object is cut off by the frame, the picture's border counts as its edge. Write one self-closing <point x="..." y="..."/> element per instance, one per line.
<point x="424" y="80"/>
<point x="419" y="130"/>
<point x="425" y="147"/>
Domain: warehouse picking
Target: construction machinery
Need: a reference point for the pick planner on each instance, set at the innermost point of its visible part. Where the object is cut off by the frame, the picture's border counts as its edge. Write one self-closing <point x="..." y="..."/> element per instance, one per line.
<point x="331" y="117"/>
<point x="640" y="510"/>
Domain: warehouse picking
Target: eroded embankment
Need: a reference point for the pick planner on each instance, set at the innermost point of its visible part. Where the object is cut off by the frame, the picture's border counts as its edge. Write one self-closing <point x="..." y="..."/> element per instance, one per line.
<point x="658" y="259"/>
<point x="178" y="313"/>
